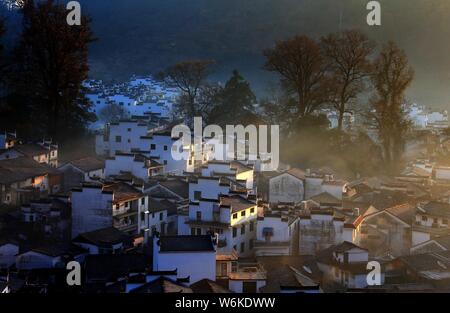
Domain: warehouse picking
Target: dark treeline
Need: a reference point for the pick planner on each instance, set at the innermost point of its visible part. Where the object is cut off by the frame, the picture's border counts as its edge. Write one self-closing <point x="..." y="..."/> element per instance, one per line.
<point x="344" y="71"/>
<point x="45" y="71"/>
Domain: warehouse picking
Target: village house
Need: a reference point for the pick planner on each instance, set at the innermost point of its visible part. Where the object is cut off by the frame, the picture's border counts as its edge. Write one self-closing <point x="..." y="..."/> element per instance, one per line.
<point x="344" y="266"/>
<point x="136" y="164"/>
<point x="49" y="256"/>
<point x="48" y="218"/>
<point x="431" y="221"/>
<point x="130" y="136"/>
<point x="44" y="152"/>
<point x="86" y="169"/>
<point x="386" y="232"/>
<point x="321" y="228"/>
<point x="274" y="235"/>
<point x="23" y="179"/>
<point x="437" y="244"/>
<point x="96" y="206"/>
<point x="420" y="272"/>
<point x="287" y="187"/>
<point x="103" y="241"/>
<point x="232" y="218"/>
<point x="191" y="256"/>
<point x="291" y="274"/>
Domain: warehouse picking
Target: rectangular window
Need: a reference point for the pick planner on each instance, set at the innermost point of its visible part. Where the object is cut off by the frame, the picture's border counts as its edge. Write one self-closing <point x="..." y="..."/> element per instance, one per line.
<point x="192" y="231"/>
<point x="235" y="216"/>
<point x="129" y="129"/>
<point x="252" y="210"/>
<point x="243" y="213"/>
<point x="143" y="201"/>
<point x="199" y="231"/>
<point x="424" y="218"/>
<point x="152" y="146"/>
<point x="118" y="138"/>
<point x="252" y="226"/>
<point x="242" y="247"/>
<point x="250" y="244"/>
<point x="161" y="216"/>
<point x="165" y="148"/>
<point x="197" y="195"/>
<point x="199" y="215"/>
<point x="243" y="230"/>
<point x="234" y="232"/>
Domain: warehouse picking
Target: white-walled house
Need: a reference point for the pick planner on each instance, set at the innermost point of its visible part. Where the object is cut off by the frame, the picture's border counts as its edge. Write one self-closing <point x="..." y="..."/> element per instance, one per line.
<point x="287" y="187"/>
<point x="133" y="137"/>
<point x="273" y="235"/>
<point x="345" y="265"/>
<point x="232" y="219"/>
<point x="123" y="136"/>
<point x="97" y="206"/>
<point x="136" y="164"/>
<point x="191" y="256"/>
<point x="321" y="229"/>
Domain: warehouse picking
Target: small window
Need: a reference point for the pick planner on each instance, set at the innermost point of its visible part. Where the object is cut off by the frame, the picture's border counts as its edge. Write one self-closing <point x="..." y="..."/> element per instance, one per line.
<point x="199" y="231"/>
<point x="118" y="138"/>
<point x="234" y="232"/>
<point x="165" y="148"/>
<point x="243" y="230"/>
<point x="199" y="215"/>
<point x="129" y="140"/>
<point x="129" y="129"/>
<point x="143" y="201"/>
<point x="152" y="146"/>
<point x="165" y="162"/>
<point x="234" y="265"/>
<point x="243" y="213"/>
<point x="192" y="231"/>
<point x="197" y="195"/>
<point x="242" y="247"/>
<point x="252" y="210"/>
<point x="250" y="244"/>
<point x="235" y="216"/>
<point x="424" y="218"/>
<point x="161" y="216"/>
<point x="251" y="226"/>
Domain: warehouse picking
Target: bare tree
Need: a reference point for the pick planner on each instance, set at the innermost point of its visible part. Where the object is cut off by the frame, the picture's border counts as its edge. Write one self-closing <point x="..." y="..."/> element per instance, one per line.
<point x="112" y="113"/>
<point x="302" y="68"/>
<point x="189" y="77"/>
<point x="347" y="54"/>
<point x="391" y="77"/>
